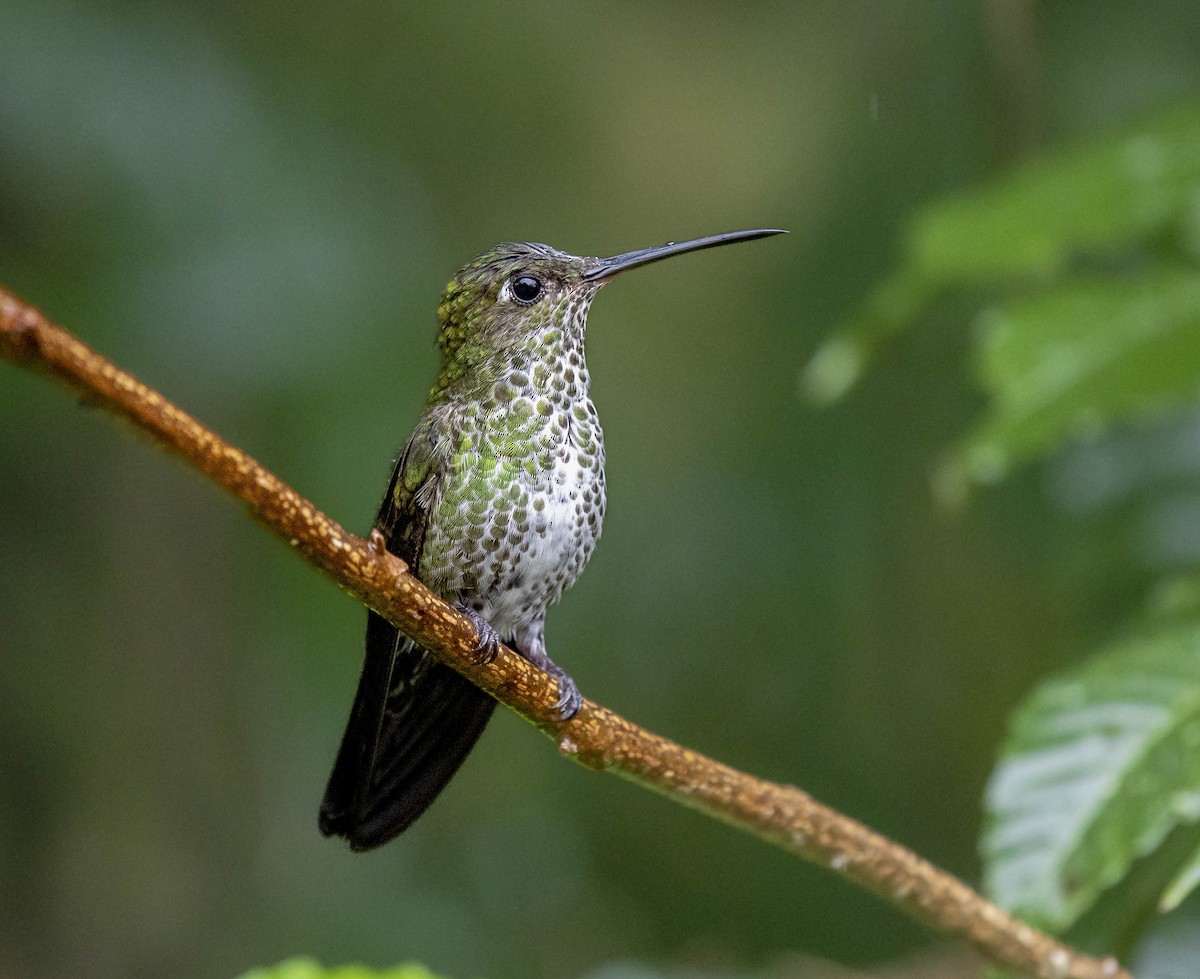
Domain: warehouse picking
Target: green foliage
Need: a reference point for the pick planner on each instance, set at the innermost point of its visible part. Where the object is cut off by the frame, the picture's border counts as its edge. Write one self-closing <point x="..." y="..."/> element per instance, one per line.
<point x="1089" y="259"/>
<point x="1070" y="361"/>
<point x="305" y="968"/>
<point x="1085" y="348"/>
<point x="1100" y="765"/>
<point x="1132" y="186"/>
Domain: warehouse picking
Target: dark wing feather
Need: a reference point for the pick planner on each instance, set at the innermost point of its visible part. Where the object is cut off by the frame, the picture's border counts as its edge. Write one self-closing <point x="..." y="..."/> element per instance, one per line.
<point x="414" y="719"/>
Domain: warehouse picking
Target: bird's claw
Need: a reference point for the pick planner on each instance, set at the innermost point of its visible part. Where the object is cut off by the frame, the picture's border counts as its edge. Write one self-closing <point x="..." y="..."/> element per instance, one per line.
<point x="570" y="700"/>
<point x="487" y="648"/>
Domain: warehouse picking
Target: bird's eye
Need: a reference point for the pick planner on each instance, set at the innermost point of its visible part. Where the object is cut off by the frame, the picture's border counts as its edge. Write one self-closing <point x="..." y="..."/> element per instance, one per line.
<point x="526" y="289"/>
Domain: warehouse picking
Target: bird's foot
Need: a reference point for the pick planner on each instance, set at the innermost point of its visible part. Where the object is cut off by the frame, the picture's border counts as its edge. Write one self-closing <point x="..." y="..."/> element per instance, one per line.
<point x="487" y="648"/>
<point x="570" y="700"/>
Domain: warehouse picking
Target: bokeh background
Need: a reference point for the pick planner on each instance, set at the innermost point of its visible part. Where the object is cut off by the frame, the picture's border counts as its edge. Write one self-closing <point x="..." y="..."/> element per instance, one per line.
<point x="254" y="206"/>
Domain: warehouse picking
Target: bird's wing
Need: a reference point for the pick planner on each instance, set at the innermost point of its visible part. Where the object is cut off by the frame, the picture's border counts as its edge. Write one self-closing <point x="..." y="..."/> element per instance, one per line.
<point x="414" y="719"/>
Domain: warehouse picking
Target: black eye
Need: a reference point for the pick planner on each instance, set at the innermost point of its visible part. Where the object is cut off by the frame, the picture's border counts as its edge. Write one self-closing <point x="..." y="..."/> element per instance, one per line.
<point x="526" y="289"/>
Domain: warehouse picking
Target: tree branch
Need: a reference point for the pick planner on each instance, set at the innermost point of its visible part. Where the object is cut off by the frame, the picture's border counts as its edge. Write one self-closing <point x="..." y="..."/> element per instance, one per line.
<point x="598" y="738"/>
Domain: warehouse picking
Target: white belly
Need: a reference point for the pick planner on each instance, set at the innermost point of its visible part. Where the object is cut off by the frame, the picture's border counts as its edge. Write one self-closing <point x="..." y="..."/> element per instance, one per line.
<point x="566" y="510"/>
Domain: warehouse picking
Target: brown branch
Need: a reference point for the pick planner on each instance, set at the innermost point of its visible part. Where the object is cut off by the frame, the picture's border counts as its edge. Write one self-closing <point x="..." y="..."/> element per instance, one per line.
<point x="598" y="738"/>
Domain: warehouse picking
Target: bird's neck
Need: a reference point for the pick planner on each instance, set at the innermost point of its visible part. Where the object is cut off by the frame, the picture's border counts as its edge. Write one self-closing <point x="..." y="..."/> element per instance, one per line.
<point x="547" y="363"/>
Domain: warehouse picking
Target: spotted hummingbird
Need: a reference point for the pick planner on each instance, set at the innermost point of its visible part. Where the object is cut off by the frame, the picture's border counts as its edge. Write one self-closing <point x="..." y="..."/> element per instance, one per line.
<point x="495" y="503"/>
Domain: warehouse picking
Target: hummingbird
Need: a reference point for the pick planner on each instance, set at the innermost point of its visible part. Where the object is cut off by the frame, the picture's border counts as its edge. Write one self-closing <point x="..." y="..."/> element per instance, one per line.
<point x="495" y="503"/>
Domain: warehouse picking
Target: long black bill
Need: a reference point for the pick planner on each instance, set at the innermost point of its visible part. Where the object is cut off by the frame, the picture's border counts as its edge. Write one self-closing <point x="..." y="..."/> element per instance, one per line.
<point x="608" y="267"/>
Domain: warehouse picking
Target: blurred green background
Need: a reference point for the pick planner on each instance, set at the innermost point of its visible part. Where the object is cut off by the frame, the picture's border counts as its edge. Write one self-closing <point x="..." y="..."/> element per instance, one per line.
<point x="253" y="207"/>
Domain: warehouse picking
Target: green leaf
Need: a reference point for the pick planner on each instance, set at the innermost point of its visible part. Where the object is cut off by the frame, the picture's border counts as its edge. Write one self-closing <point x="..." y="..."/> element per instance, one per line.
<point x="306" y="968"/>
<point x="1073" y="361"/>
<point x="1100" y="766"/>
<point x="1109" y="195"/>
<point x="1096" y="196"/>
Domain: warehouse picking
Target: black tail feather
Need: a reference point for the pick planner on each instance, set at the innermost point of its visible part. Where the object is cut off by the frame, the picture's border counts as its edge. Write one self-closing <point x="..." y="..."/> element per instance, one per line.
<point x="413" y="722"/>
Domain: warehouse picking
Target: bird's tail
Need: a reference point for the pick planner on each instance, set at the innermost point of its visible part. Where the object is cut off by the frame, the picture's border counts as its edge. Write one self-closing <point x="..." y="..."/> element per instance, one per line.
<point x="413" y="722"/>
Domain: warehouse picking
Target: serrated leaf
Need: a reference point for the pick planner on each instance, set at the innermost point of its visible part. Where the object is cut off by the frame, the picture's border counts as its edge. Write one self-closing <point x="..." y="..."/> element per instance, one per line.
<point x="1080" y="358"/>
<point x="307" y="968"/>
<point x="1100" y="765"/>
